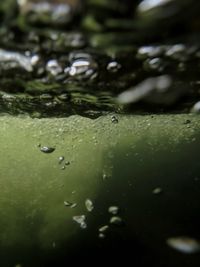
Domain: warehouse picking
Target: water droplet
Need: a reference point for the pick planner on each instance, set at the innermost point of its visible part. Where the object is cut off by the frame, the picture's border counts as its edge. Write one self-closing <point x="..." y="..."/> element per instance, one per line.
<point x="61" y="159"/>
<point x="83" y="66"/>
<point x="114" y="119"/>
<point x="157" y="191"/>
<point x="113" y="66"/>
<point x="80" y="219"/>
<point x="63" y="97"/>
<point x="181" y="67"/>
<point x="156" y="10"/>
<point x="149" y="52"/>
<point x="73" y="205"/>
<point x="113" y="210"/>
<point x="177" y="51"/>
<point x="184" y="244"/>
<point x="157" y="85"/>
<point x="53" y="67"/>
<point x="89" y="205"/>
<point x="116" y="220"/>
<point x="70" y="204"/>
<point x="105" y="176"/>
<point x="101" y="236"/>
<point x="51" y="13"/>
<point x="103" y="229"/>
<point x="15" y="60"/>
<point x="34" y="60"/>
<point x="47" y="149"/>
<point x="196" y="108"/>
<point x="67" y="203"/>
<point x="154" y="64"/>
<point x="67" y="163"/>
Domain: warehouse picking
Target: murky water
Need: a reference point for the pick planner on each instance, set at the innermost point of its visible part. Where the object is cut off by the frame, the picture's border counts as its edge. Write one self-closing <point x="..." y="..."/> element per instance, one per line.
<point x="37" y="220"/>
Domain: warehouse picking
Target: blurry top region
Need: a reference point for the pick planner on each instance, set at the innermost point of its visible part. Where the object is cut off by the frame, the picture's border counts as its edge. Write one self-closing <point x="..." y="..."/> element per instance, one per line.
<point x="64" y="57"/>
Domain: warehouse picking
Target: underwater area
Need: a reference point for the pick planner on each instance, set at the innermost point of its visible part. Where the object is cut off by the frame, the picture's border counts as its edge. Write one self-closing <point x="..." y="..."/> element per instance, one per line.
<point x="100" y="133"/>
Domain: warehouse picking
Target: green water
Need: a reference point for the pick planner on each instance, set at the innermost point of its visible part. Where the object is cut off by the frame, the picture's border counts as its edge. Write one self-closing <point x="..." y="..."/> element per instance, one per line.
<point x="111" y="164"/>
